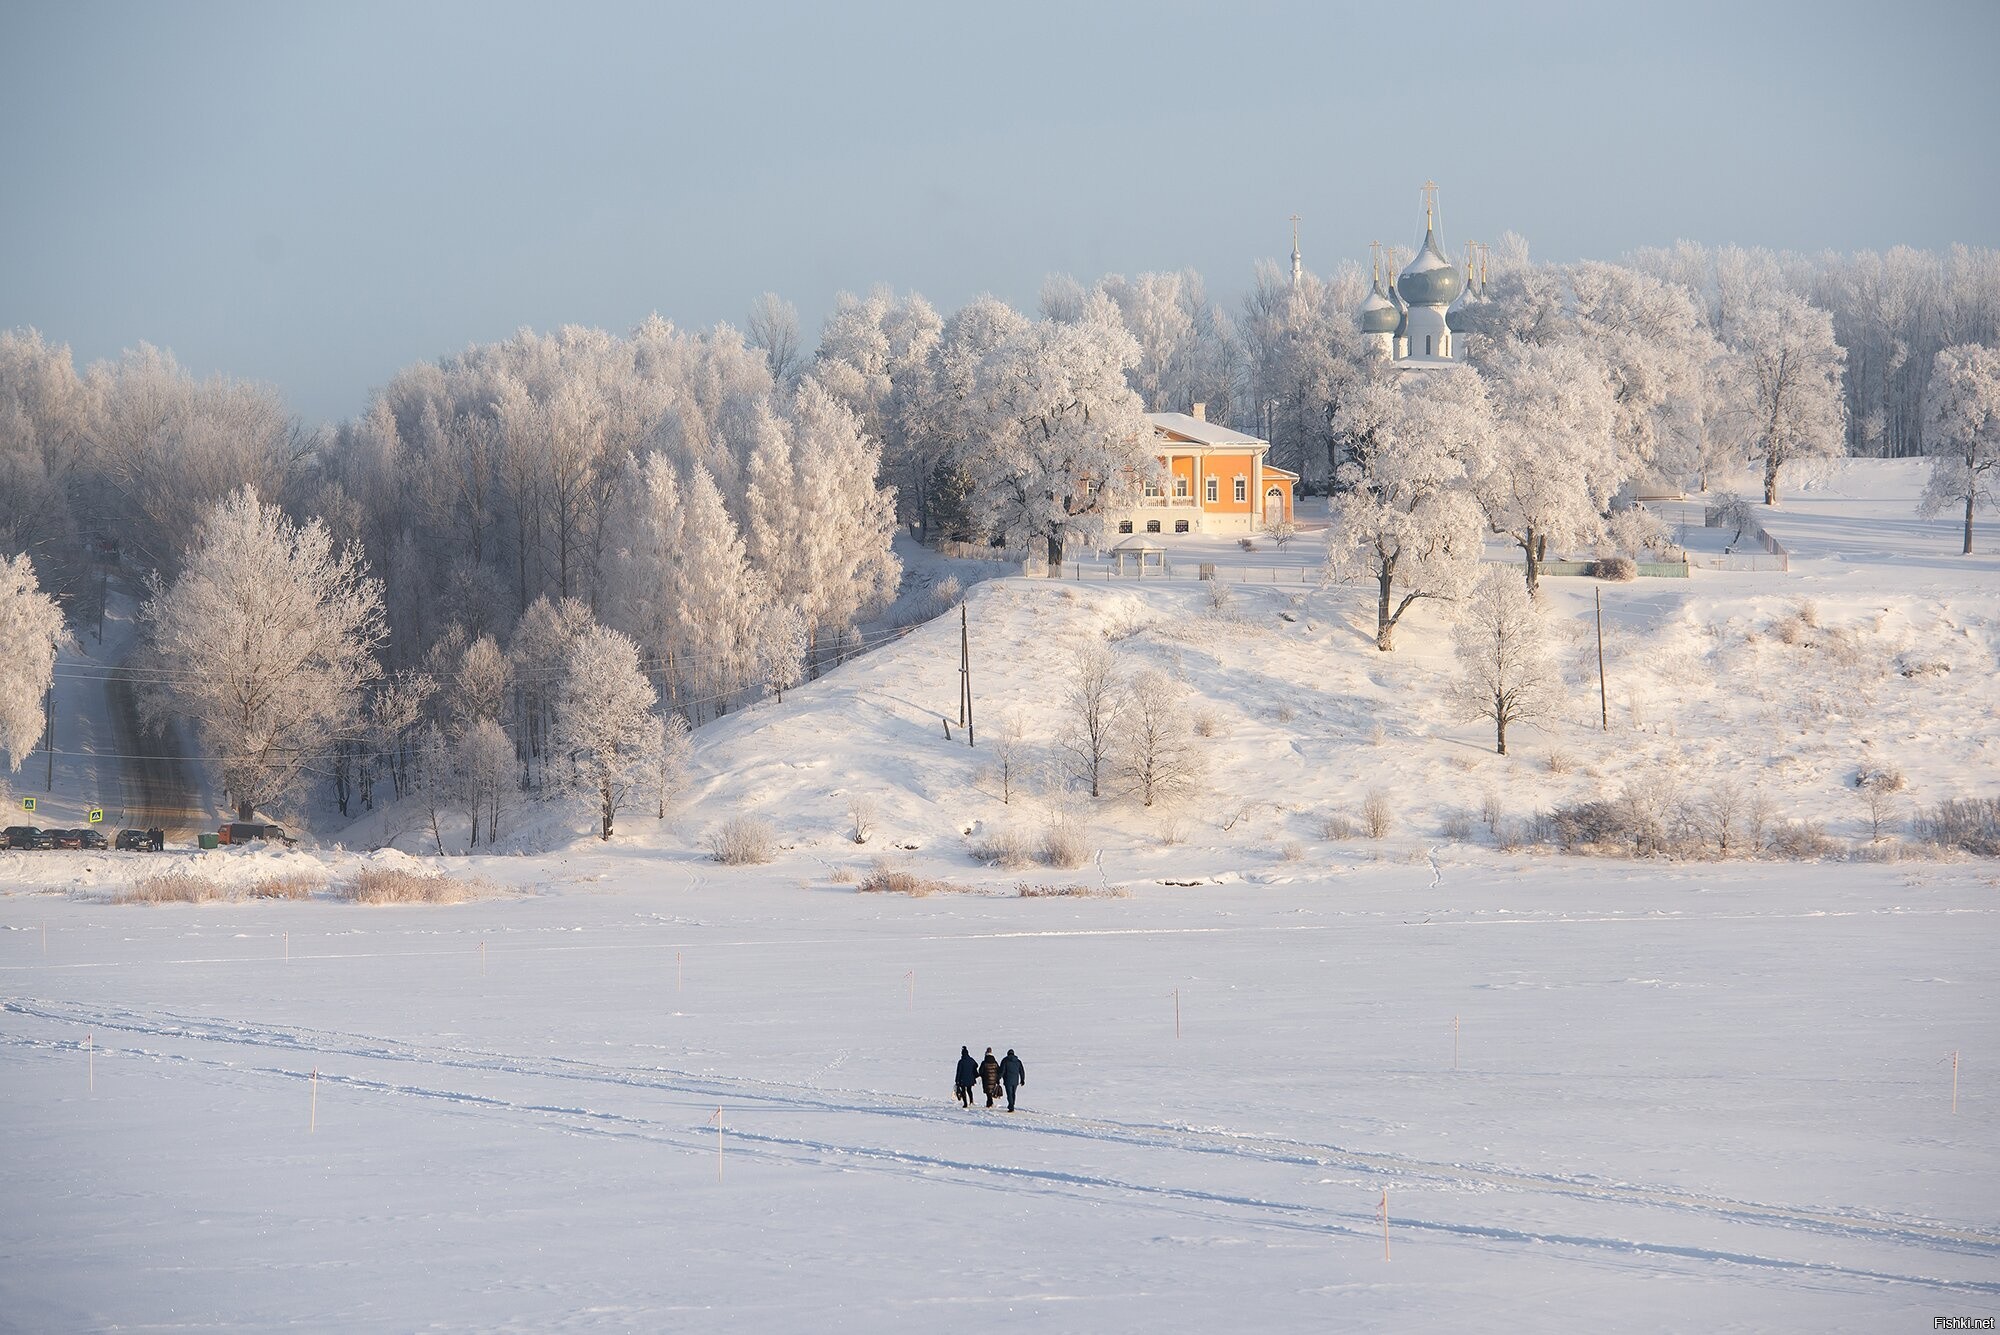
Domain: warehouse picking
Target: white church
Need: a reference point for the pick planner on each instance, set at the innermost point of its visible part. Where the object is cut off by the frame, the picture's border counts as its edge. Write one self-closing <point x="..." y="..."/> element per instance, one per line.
<point x="1410" y="325"/>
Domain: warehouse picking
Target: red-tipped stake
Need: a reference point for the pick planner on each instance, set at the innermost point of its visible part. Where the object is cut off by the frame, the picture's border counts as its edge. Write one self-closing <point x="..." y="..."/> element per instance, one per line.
<point x="1454" y="1042"/>
<point x="1954" y="1082"/>
<point x="90" y="1058"/>
<point x="677" y="971"/>
<point x="1385" y="1223"/>
<point x="482" y="957"/>
<point x="288" y="947"/>
<point x="313" y="1126"/>
<point x="1177" y="1012"/>
<point x="911" y="976"/>
<point x="717" y="1119"/>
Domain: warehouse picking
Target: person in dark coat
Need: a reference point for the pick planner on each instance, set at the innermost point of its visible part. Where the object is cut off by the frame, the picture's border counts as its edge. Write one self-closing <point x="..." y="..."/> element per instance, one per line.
<point x="158" y="838"/>
<point x="989" y="1076"/>
<point x="968" y="1072"/>
<point x="1013" y="1075"/>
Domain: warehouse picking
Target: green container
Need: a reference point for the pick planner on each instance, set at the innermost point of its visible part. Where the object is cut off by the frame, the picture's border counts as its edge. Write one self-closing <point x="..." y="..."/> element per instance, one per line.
<point x="211" y="840"/>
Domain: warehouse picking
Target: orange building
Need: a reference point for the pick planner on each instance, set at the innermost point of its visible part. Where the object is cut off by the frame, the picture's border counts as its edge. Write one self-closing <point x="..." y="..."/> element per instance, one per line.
<point x="1216" y="481"/>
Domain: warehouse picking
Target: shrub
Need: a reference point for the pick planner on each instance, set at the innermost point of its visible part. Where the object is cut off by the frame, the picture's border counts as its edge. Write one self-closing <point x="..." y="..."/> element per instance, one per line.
<point x="294" y="885"/>
<point x="1004" y="847"/>
<point x="1617" y="568"/>
<point x="1801" y="841"/>
<point x="1335" y="825"/>
<point x="1620" y="826"/>
<point x="1968" y="823"/>
<point x="1219" y="597"/>
<point x="1284" y="713"/>
<point x="1375" y="814"/>
<point x="1456" y="825"/>
<point x="1246" y="544"/>
<point x="843" y="876"/>
<point x="1490" y="810"/>
<point x="1205" y="723"/>
<point x="886" y="880"/>
<point x="179" y="886"/>
<point x="1026" y="891"/>
<point x="742" y="841"/>
<point x="399" y="885"/>
<point x="945" y="595"/>
<point x="1066" y="841"/>
<point x="1561" y="762"/>
<point x="861" y="812"/>
<point x="1292" y="851"/>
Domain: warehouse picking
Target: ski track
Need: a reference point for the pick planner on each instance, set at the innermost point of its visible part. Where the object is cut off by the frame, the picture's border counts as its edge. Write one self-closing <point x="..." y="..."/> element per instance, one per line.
<point x="704" y="1092"/>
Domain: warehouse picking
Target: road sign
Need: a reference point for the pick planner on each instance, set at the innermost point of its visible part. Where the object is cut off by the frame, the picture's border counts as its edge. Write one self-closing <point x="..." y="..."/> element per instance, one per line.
<point x="27" y="804"/>
<point x="96" y="815"/>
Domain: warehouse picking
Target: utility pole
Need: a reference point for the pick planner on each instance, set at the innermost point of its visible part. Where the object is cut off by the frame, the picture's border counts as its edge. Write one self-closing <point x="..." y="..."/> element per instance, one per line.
<point x="965" y="673"/>
<point x="49" y="733"/>
<point x="1603" y="707"/>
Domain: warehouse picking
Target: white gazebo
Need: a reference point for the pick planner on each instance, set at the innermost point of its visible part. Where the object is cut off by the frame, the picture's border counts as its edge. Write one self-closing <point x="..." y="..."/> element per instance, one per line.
<point x="1138" y="557"/>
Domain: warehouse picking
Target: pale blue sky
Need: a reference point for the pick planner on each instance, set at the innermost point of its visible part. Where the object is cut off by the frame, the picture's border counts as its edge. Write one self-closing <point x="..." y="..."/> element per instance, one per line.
<point x="315" y="196"/>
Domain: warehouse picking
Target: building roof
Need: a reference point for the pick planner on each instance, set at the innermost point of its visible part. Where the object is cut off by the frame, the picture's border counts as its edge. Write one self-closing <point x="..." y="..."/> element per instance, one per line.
<point x="1199" y="432"/>
<point x="1269" y="469"/>
<point x="1431" y="279"/>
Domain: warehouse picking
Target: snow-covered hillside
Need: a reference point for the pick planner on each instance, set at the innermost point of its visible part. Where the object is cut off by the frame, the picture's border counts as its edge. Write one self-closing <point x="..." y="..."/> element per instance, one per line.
<point x="1655" y="1095"/>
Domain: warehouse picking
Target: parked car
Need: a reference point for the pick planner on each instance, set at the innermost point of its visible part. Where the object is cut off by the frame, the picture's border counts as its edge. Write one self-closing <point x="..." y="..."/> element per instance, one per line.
<point x="92" y="839"/>
<point x="71" y="839"/>
<point x="245" y="831"/>
<point x="29" y="836"/>
<point x="134" y="841"/>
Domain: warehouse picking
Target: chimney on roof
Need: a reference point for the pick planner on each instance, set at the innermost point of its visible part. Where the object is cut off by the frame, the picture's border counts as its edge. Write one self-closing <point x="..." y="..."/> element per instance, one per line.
<point x="1199" y="412"/>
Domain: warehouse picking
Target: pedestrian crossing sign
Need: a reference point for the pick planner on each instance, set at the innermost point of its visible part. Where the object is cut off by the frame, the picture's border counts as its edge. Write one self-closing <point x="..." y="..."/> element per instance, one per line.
<point x="27" y="804"/>
<point x="96" y="815"/>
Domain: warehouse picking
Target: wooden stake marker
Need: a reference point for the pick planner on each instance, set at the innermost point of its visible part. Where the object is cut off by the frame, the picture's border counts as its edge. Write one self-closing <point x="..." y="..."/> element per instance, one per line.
<point x="1954" y="1082"/>
<point x="1454" y="1042"/>
<point x="90" y="1059"/>
<point x="677" y="971"/>
<point x="911" y="977"/>
<point x="313" y="1126"/>
<point x="1385" y="1223"/>
<point x="1177" y="1012"/>
<point x="482" y="957"/>
<point x="717" y="1119"/>
<point x="288" y="947"/>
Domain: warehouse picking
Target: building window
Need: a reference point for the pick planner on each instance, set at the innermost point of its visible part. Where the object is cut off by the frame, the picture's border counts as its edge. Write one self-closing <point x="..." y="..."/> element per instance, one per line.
<point x="1152" y="526"/>
<point x="1124" y="526"/>
<point x="1213" y="494"/>
<point x="1242" y="488"/>
<point x="1180" y="526"/>
<point x="1180" y="487"/>
<point x="1427" y="345"/>
<point x="1152" y="491"/>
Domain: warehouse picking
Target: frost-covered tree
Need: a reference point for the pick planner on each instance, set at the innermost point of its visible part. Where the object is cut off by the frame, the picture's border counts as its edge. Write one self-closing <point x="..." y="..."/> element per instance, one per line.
<point x="676" y="752"/>
<point x="1962" y="431"/>
<point x="605" y="729"/>
<point x="781" y="648"/>
<point x="480" y="684"/>
<point x="266" y="641"/>
<point x="31" y="630"/>
<point x="1404" y="518"/>
<point x="774" y="328"/>
<point x="1156" y="749"/>
<point x="1068" y="439"/>
<point x="487" y="775"/>
<point x="1792" y="367"/>
<point x="1303" y="359"/>
<point x="876" y="358"/>
<point x="540" y="651"/>
<point x="1550" y="472"/>
<point x="1092" y="700"/>
<point x="1501" y="642"/>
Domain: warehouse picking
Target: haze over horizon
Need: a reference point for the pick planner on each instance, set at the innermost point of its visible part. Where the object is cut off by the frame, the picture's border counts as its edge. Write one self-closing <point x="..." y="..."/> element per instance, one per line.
<point x="316" y="198"/>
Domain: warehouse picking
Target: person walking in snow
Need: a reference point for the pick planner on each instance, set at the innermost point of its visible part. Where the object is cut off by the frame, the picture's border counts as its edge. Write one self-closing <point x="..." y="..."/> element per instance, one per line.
<point x="968" y="1072"/>
<point x="989" y="1076"/>
<point x="1012" y="1075"/>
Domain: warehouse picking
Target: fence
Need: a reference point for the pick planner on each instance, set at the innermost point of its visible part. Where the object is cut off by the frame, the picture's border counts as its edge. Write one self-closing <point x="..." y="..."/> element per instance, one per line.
<point x="1647" y="569"/>
<point x="1773" y="555"/>
<point x="1196" y="570"/>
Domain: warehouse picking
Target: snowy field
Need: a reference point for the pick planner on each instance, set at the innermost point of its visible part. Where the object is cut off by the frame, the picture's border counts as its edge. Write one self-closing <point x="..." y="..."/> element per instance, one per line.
<point x="1686" y="1098"/>
<point x="1695" y="1095"/>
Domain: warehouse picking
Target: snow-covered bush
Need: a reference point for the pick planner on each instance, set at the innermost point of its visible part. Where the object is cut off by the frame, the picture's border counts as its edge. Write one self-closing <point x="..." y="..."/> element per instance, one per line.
<point x="861" y="817"/>
<point x="1007" y="846"/>
<point x="289" y="885"/>
<point x="178" y="886"/>
<point x="1376" y="815"/>
<point x="742" y="841"/>
<point x="1968" y="823"/>
<point x="1336" y="825"/>
<point x="1618" y="569"/>
<point x="1456" y="824"/>
<point x="1800" y="841"/>
<point x="884" y="879"/>
<point x="1066" y="840"/>
<point x="401" y="885"/>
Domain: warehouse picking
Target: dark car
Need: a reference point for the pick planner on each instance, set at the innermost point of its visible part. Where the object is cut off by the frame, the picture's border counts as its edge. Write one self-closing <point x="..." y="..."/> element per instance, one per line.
<point x="92" y="839"/>
<point x="134" y="841"/>
<point x="28" y="836"/>
<point x="71" y="839"/>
